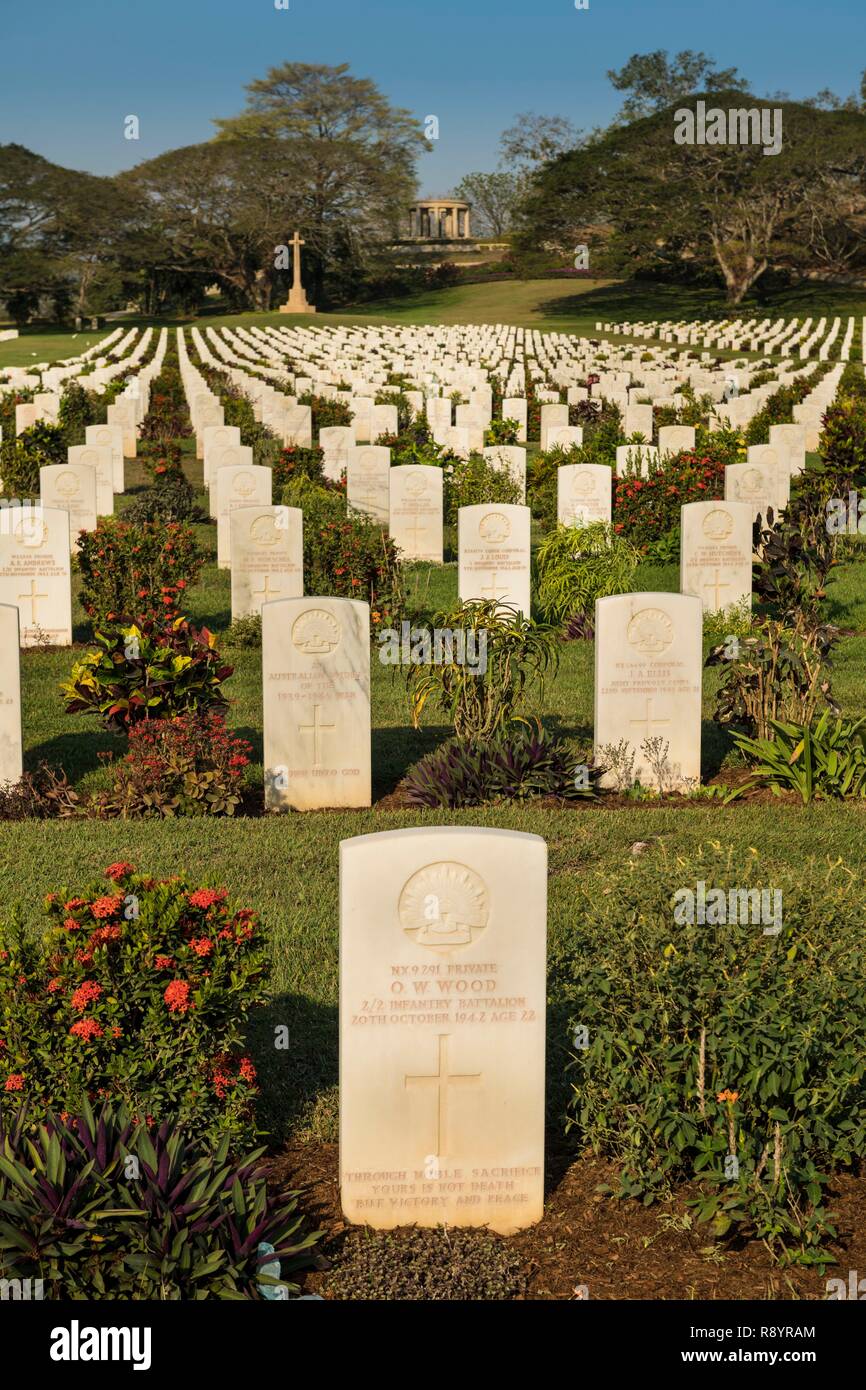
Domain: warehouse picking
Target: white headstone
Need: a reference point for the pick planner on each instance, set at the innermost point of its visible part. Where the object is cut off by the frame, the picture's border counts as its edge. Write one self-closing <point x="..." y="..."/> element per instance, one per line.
<point x="442" y="1008"/>
<point x="239" y="486"/>
<point x="101" y="459"/>
<point x="267" y="556"/>
<point x="72" y="488"/>
<point x="368" y="481"/>
<point x="648" y="660"/>
<point x="11" y="751"/>
<point x="494" y="554"/>
<point x="674" y="438"/>
<point x="415" y="522"/>
<point x="109" y="437"/>
<point x="716" y="553"/>
<point x="583" y="493"/>
<point x="316" y="686"/>
<point x="35" y="573"/>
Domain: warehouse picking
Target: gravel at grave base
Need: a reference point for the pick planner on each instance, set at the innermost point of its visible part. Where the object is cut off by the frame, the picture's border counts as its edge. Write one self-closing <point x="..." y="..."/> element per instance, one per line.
<point x="618" y="1250"/>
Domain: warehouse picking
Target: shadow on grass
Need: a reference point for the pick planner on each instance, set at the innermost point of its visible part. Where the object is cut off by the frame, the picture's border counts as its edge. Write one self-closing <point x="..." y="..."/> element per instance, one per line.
<point x="77" y="753"/>
<point x="396" y="749"/>
<point x="633" y="300"/>
<point x="292" y="1078"/>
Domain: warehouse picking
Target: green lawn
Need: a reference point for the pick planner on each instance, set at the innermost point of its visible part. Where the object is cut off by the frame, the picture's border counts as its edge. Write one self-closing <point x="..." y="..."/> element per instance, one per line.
<point x="286" y="867"/>
<point x="557" y="306"/>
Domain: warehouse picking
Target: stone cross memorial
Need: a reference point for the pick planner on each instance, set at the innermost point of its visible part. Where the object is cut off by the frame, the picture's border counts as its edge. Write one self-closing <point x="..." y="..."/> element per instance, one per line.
<point x="316" y="686"/>
<point x="648" y="660"/>
<point x="442" y="1028"/>
<point x="494" y="554"/>
<point x="11" y="756"/>
<point x="267" y="550"/>
<point x="35" y="573"/>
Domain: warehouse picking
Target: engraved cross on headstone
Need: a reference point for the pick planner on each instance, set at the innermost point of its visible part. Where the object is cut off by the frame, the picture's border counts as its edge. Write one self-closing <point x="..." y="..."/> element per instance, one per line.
<point x="316" y="729"/>
<point x="648" y="722"/>
<point x="442" y="1078"/>
<point x="32" y="599"/>
<point x="716" y="585"/>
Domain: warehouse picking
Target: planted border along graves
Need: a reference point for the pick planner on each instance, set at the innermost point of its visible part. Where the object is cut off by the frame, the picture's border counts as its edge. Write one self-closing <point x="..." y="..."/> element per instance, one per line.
<point x="461" y="915"/>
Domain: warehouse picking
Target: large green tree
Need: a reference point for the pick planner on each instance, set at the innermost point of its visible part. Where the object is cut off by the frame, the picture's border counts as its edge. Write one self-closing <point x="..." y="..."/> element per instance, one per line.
<point x="680" y="209"/>
<point x="349" y="157"/>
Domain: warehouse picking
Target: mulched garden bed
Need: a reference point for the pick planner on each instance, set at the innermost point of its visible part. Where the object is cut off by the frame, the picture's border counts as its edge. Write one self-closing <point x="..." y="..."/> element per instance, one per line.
<point x="617" y="1249"/>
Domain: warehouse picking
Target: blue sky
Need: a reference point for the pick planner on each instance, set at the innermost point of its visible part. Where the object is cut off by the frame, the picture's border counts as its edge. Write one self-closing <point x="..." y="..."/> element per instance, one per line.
<point x="72" y="71"/>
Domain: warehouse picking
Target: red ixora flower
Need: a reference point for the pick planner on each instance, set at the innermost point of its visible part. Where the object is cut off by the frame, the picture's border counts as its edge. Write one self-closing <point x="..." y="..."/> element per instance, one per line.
<point x="71" y="925"/>
<point x="201" y="945"/>
<point x="119" y="870"/>
<point x="14" y="1081"/>
<point x="206" y="897"/>
<point x="246" y="1070"/>
<point x="54" y="985"/>
<point x="85" y="994"/>
<point x="163" y="962"/>
<point x="177" y="998"/>
<point x="86" y="1028"/>
<point x="106" y="907"/>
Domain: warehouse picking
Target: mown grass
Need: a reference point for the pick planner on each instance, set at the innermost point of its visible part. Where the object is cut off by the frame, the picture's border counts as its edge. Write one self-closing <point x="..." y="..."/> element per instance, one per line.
<point x="286" y="867"/>
<point x="557" y="306"/>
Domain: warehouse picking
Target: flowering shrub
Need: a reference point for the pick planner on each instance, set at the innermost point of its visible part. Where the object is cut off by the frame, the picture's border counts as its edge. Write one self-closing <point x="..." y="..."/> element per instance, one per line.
<point x="474" y="480"/>
<point x="295" y="461"/>
<point x="145" y="670"/>
<point x="353" y="557"/>
<point x="188" y="766"/>
<point x="326" y="412"/>
<point x="162" y="459"/>
<point x="645" y="509"/>
<point x="137" y="992"/>
<point x="168" y="416"/>
<point x="139" y="571"/>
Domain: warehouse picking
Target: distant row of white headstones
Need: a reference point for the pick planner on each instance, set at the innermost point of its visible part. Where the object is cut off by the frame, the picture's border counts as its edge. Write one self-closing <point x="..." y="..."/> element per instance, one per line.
<point x="262" y="544"/>
<point x="764" y="335"/>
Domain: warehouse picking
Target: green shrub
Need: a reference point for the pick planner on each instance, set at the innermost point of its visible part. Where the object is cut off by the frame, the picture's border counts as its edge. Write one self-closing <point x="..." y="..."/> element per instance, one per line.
<point x="78" y="409"/>
<point x="40" y="446"/>
<point x="101" y="1206"/>
<point x="824" y="760"/>
<point x="576" y="565"/>
<point x="326" y="412"/>
<point x="471" y="481"/>
<point x="145" y="670"/>
<point x="501" y="432"/>
<point x="517" y="653"/>
<point x="518" y="762"/>
<point x="778" y="673"/>
<point x="137" y="991"/>
<point x="131" y="570"/>
<point x="351" y="557"/>
<point x="173" y="499"/>
<point x="295" y="462"/>
<point x="696" y="1042"/>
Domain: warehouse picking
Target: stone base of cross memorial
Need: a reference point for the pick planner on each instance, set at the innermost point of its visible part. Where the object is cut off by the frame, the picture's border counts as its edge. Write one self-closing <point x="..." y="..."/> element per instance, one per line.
<point x="297" y="303"/>
<point x="442" y="1006"/>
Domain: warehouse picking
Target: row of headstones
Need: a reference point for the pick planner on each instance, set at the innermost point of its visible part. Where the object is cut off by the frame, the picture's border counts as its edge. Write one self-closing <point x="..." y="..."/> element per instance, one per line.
<point x="37" y="541"/>
<point x="567" y="361"/>
<point x="281" y="411"/>
<point x="780" y="336"/>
